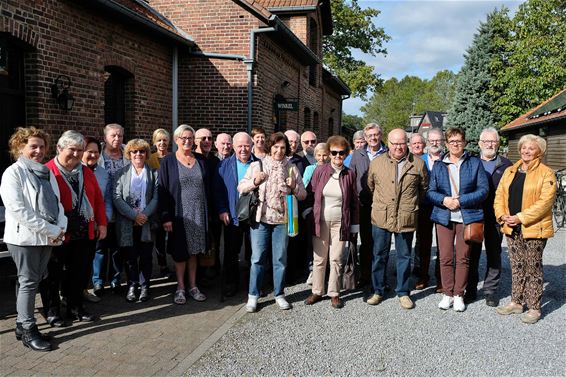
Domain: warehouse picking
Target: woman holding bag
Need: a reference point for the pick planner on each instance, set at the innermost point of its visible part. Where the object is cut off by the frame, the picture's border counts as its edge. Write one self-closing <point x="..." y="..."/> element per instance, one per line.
<point x="275" y="180"/>
<point x="457" y="188"/>
<point x="335" y="218"/>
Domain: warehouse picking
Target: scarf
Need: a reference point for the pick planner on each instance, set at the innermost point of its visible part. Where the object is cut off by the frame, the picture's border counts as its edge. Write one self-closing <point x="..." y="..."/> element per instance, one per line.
<point x="46" y="202"/>
<point x="84" y="209"/>
<point x="275" y="190"/>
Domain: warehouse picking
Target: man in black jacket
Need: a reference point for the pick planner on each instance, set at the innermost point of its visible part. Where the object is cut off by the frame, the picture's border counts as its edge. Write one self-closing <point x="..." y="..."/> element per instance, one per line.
<point x="494" y="166"/>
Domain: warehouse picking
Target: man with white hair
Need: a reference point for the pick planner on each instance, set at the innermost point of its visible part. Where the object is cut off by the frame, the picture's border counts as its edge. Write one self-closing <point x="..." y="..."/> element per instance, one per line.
<point x="494" y="166"/>
<point x="423" y="244"/>
<point x="417" y="144"/>
<point x="359" y="143"/>
<point x="223" y="146"/>
<point x="361" y="159"/>
<point x="230" y="171"/>
<point x="295" y="158"/>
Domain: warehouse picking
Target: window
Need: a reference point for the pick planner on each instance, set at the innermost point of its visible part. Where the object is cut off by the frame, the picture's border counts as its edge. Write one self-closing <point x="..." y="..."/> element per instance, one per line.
<point x="307" y="121"/>
<point x="316" y="122"/>
<point x="119" y="98"/>
<point x="314" y="46"/>
<point x="330" y="126"/>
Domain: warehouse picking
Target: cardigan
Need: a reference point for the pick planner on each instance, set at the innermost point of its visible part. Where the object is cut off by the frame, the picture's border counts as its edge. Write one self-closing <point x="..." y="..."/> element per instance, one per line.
<point x="92" y="192"/>
<point x="125" y="214"/>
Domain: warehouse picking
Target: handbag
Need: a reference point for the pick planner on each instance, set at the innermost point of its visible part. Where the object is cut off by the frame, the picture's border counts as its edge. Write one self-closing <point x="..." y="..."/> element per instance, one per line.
<point x="247" y="204"/>
<point x="473" y="232"/>
<point x="351" y="273"/>
<point x="292" y="212"/>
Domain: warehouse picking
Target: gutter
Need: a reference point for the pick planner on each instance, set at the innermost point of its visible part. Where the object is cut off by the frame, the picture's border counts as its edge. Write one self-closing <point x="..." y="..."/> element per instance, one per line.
<point x="293" y="9"/>
<point x="214" y="55"/>
<point x="534" y="124"/>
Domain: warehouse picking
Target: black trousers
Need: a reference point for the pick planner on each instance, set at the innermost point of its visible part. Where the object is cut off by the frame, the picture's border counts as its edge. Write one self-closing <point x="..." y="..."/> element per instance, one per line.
<point x="366" y="247"/>
<point x="161" y="247"/>
<point x="492" y="240"/>
<point x="234" y="237"/>
<point x="139" y="260"/>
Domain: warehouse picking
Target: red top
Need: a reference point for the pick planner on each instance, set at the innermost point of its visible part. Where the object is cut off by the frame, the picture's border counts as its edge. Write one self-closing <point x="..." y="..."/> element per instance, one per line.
<point x="92" y="191"/>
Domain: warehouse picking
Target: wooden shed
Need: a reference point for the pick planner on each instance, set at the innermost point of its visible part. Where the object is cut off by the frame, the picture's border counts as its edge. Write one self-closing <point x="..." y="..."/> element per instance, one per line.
<point x="547" y="120"/>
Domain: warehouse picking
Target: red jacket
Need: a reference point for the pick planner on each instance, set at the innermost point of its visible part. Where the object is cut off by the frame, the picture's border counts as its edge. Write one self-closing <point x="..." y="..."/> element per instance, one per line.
<point x="92" y="191"/>
<point x="350" y="203"/>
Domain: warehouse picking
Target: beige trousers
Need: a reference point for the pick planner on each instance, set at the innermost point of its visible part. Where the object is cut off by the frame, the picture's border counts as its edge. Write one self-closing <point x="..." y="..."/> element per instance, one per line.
<point x="328" y="245"/>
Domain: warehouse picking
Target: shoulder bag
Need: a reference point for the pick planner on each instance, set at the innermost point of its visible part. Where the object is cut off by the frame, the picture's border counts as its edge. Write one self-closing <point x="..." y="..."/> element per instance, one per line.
<point x="247" y="204"/>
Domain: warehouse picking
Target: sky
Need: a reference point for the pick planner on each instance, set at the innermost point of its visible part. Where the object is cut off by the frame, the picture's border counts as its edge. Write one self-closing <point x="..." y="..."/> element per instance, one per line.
<point x="426" y="36"/>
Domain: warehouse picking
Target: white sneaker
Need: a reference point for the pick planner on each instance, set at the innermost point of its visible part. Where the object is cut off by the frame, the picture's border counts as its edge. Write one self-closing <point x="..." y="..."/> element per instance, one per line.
<point x="446" y="302"/>
<point x="459" y="305"/>
<point x="283" y="304"/>
<point x="309" y="279"/>
<point x="251" y="306"/>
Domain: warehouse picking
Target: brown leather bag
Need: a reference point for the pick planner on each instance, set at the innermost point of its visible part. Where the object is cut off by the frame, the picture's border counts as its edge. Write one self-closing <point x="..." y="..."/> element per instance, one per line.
<point x="473" y="232"/>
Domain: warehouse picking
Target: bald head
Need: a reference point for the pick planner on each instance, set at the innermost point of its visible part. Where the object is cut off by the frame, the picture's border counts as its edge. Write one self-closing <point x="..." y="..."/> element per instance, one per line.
<point x="203" y="141"/>
<point x="243" y="146"/>
<point x="397" y="139"/>
<point x="308" y="141"/>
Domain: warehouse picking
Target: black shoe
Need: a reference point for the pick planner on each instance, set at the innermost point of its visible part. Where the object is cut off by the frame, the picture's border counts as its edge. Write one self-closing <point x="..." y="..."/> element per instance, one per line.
<point x="469" y="298"/>
<point x="98" y="290"/>
<point x="144" y="295"/>
<point x="491" y="300"/>
<point x="32" y="339"/>
<point x="20" y="332"/>
<point x="57" y="321"/>
<point x="131" y="296"/>
<point x="81" y="315"/>
<point x="115" y="287"/>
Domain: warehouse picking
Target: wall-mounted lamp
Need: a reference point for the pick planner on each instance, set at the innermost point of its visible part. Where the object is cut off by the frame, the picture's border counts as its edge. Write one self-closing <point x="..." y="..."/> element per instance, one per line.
<point x="60" y="91"/>
<point x="285" y="84"/>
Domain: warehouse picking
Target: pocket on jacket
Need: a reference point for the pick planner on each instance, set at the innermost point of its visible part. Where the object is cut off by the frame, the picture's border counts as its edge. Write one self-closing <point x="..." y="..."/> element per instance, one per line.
<point x="379" y="217"/>
<point x="407" y="219"/>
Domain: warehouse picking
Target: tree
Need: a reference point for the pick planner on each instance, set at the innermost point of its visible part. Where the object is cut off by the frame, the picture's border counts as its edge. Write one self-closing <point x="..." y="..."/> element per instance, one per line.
<point x="392" y="105"/>
<point x="472" y="108"/>
<point x="535" y="68"/>
<point x="354" y="29"/>
<point x="352" y="122"/>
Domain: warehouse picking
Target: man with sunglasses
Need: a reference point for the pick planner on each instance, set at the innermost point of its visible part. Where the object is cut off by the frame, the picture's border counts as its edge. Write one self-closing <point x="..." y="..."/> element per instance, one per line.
<point x="308" y="142"/>
<point x="203" y="147"/>
<point x="361" y="159"/>
<point x="397" y="180"/>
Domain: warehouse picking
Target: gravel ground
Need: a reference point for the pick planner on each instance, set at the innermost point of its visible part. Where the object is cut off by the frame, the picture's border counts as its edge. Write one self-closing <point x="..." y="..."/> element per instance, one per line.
<point x="387" y="340"/>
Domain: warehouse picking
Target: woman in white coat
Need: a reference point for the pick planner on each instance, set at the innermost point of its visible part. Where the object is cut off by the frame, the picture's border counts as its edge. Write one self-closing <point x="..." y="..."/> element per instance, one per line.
<point x="35" y="221"/>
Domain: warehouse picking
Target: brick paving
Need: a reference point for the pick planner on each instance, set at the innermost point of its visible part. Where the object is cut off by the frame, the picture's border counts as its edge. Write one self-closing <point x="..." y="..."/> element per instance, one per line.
<point x="154" y="338"/>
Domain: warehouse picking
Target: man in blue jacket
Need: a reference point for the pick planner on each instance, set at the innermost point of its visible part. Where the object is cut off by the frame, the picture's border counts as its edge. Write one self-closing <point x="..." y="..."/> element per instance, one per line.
<point x="229" y="173"/>
<point x="494" y="166"/>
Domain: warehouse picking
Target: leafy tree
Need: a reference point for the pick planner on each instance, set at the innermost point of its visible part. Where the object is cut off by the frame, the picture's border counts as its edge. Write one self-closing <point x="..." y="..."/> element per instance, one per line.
<point x="535" y="61"/>
<point x="352" y="122"/>
<point x="472" y="108"/>
<point x="392" y="105"/>
<point x="354" y="29"/>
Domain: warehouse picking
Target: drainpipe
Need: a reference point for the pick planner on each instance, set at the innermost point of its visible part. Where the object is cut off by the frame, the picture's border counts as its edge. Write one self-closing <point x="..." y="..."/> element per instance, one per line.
<point x="250" y="68"/>
<point x="175" y="92"/>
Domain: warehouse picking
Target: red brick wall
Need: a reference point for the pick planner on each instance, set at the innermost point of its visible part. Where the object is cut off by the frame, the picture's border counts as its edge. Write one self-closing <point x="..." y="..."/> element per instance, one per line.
<point x="69" y="39"/>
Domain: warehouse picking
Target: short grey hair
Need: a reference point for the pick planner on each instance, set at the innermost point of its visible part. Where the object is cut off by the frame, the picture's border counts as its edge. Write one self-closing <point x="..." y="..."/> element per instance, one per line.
<point x="69" y="138"/>
<point x="182" y="128"/>
<point x="435" y="130"/>
<point x="358" y="135"/>
<point x="418" y="135"/>
<point x="321" y="147"/>
<point x="223" y="134"/>
<point x="490" y="130"/>
<point x="372" y="126"/>
<point x="293" y="132"/>
<point x="242" y="134"/>
<point x="113" y="126"/>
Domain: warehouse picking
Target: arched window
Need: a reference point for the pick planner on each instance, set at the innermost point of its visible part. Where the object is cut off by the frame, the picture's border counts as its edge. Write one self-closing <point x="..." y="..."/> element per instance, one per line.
<point x="307" y="121"/>
<point x="119" y="98"/>
<point x="330" y="126"/>
<point x="316" y="122"/>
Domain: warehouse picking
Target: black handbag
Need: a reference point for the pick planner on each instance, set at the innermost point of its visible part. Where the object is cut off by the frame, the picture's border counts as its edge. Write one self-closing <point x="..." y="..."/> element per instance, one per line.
<point x="351" y="273"/>
<point x="247" y="204"/>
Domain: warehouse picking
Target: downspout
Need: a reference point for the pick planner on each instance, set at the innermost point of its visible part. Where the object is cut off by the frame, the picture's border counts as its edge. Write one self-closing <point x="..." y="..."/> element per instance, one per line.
<point x="175" y="92"/>
<point x="250" y="68"/>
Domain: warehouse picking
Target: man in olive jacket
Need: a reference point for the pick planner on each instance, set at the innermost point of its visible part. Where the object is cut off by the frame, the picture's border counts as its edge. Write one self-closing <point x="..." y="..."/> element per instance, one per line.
<point x="397" y="180"/>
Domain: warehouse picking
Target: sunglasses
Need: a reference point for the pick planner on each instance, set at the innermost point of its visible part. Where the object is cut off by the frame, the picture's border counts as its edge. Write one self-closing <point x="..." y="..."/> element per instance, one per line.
<point x="309" y="141"/>
<point x="139" y="151"/>
<point x="341" y="153"/>
<point x="209" y="138"/>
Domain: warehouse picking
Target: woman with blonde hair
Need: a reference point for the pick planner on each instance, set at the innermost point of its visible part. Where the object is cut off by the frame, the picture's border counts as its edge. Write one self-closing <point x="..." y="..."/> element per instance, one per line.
<point x="35" y="222"/>
<point x="523" y="207"/>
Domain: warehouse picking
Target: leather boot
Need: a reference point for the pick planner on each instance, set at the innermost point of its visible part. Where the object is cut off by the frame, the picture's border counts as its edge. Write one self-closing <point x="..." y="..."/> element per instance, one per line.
<point x="20" y="332"/>
<point x="31" y="338"/>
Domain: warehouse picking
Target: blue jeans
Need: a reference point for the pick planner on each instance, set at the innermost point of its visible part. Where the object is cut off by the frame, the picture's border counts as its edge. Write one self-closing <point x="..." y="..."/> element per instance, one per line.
<point x="108" y="247"/>
<point x="381" y="246"/>
<point x="261" y="235"/>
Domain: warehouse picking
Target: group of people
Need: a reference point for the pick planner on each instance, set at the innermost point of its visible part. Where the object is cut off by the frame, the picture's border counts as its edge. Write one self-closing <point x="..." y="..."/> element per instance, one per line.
<point x="74" y="221"/>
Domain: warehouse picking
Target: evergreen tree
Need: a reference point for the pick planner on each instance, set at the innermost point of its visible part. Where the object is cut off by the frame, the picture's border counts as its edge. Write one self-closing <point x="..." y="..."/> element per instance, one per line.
<point x="473" y="105"/>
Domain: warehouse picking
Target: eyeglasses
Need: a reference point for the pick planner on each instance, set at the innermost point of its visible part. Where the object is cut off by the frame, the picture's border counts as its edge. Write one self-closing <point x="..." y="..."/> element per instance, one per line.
<point x="398" y="145"/>
<point x="340" y="153"/>
<point x="185" y="139"/>
<point x="435" y="141"/>
<point x="138" y="151"/>
<point x="205" y="138"/>
<point x="456" y="142"/>
<point x="309" y="141"/>
<point x="489" y="141"/>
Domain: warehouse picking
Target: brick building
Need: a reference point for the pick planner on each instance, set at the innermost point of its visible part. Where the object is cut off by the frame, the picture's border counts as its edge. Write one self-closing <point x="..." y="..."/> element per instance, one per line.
<point x="223" y="64"/>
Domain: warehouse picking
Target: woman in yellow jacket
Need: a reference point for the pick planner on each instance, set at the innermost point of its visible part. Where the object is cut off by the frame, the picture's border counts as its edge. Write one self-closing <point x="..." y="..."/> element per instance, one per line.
<point x="523" y="207"/>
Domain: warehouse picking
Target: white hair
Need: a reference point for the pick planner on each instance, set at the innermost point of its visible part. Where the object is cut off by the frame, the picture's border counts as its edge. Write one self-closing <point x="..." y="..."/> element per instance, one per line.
<point x="71" y="137"/>
<point x="490" y="130"/>
<point x="182" y="128"/>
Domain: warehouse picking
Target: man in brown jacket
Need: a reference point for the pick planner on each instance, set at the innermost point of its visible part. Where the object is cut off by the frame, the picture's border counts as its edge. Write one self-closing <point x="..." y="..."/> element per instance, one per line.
<point x="398" y="180"/>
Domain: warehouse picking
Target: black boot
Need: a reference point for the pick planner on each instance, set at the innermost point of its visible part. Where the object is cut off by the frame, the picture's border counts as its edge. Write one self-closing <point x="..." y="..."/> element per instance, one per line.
<point x="20" y="332"/>
<point x="32" y="339"/>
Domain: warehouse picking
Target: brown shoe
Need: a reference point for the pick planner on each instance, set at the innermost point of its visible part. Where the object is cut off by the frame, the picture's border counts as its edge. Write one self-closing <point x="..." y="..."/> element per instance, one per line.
<point x="421" y="284"/>
<point x="312" y="299"/>
<point x="439" y="288"/>
<point x="336" y="302"/>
